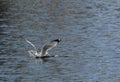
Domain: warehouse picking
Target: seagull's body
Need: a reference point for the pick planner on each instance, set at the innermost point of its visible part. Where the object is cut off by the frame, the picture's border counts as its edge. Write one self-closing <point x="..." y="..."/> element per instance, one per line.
<point x="44" y="50"/>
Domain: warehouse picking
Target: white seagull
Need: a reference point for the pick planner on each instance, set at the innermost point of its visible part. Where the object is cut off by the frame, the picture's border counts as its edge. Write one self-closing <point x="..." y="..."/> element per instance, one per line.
<point x="44" y="50"/>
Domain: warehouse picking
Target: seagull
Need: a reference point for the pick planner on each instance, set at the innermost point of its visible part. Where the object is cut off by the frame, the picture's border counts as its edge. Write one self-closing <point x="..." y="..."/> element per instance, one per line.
<point x="44" y="50"/>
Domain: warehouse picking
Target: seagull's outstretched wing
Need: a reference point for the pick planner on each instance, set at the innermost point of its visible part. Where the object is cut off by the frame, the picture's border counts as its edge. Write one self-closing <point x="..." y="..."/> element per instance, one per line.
<point x="49" y="46"/>
<point x="31" y="44"/>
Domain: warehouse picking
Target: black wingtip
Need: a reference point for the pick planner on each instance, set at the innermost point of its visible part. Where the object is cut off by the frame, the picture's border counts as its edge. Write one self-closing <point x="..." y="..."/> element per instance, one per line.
<point x="57" y="40"/>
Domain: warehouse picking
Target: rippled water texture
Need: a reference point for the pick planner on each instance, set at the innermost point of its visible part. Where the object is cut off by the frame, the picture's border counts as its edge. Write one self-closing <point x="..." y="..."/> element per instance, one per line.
<point x="90" y="33"/>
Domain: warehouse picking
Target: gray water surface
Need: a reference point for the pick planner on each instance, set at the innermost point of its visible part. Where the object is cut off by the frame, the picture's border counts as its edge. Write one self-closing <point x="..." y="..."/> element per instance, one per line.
<point x="90" y="34"/>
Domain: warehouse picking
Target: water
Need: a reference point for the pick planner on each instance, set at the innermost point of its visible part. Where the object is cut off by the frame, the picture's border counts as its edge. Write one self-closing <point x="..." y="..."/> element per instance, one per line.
<point x="90" y="36"/>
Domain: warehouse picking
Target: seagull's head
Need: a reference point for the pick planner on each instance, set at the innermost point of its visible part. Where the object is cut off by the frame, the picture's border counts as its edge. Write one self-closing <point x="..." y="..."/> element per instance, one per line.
<point x="57" y="40"/>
